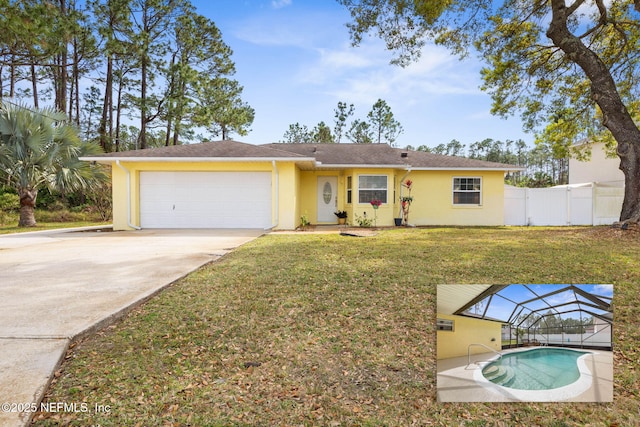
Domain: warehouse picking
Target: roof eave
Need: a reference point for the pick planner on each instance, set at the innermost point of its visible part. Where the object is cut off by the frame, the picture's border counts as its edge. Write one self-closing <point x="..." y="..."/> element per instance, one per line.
<point x="418" y="168"/>
<point x="196" y="159"/>
<point x="355" y="165"/>
<point x="113" y="159"/>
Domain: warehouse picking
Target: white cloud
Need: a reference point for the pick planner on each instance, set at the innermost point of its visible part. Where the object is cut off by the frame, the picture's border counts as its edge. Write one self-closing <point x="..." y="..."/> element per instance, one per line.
<point x="364" y="74"/>
<point x="603" y="290"/>
<point x="561" y="298"/>
<point x="481" y="115"/>
<point x="327" y="63"/>
<point x="346" y="58"/>
<point x="263" y="34"/>
<point x="283" y="28"/>
<point x="277" y="4"/>
<point x="568" y="296"/>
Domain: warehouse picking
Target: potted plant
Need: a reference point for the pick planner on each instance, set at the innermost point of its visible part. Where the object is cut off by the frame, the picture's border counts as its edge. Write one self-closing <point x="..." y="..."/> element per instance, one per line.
<point x="342" y="217"/>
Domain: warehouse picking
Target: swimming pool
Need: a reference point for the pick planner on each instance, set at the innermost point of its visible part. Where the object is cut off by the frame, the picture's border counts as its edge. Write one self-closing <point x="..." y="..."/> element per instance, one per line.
<point x="536" y="369"/>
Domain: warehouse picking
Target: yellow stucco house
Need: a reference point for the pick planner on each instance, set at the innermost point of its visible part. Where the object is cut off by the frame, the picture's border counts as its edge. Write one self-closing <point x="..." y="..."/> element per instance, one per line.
<point x="230" y="184"/>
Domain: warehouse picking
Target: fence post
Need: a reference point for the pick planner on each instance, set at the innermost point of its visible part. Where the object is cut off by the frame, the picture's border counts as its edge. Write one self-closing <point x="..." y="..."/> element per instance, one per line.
<point x="593" y="203"/>
<point x="527" y="220"/>
<point x="568" y="205"/>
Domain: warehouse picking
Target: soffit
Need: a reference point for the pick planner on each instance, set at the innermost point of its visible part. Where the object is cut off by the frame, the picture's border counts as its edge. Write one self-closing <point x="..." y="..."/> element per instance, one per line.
<point x="452" y="297"/>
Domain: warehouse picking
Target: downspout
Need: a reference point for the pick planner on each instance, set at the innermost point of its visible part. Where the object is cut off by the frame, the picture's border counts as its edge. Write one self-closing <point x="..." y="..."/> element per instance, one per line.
<point x="277" y="213"/>
<point x="128" y="172"/>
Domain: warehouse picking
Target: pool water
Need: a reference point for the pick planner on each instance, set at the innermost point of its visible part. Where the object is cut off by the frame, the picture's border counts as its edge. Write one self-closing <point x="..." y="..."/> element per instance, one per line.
<point x="537" y="369"/>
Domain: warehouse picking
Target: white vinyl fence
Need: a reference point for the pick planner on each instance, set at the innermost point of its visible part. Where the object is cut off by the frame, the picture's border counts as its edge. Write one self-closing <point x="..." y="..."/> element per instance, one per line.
<point x="576" y="204"/>
<point x="601" y="340"/>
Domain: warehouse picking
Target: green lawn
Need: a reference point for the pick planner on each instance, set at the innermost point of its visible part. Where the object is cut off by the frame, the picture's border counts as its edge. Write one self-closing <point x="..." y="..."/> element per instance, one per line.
<point x="330" y="330"/>
<point x="10" y="229"/>
<point x="49" y="221"/>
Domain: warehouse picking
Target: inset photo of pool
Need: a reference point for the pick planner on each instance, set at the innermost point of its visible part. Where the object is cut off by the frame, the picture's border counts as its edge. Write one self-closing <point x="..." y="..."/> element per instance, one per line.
<point x="525" y="343"/>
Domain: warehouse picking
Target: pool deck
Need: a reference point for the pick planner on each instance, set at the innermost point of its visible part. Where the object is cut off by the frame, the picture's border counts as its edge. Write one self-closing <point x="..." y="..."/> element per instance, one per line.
<point x="458" y="382"/>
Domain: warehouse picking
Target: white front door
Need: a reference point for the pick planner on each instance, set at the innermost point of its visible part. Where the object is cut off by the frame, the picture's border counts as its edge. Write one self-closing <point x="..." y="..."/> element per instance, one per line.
<point x="327" y="198"/>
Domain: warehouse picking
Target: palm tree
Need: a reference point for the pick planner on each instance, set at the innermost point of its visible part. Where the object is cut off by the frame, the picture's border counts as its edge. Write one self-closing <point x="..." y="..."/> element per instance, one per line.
<point x="39" y="149"/>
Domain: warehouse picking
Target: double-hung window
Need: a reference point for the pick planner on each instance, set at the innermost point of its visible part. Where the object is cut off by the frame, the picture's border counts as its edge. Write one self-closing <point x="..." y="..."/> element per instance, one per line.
<point x="372" y="187"/>
<point x="467" y="191"/>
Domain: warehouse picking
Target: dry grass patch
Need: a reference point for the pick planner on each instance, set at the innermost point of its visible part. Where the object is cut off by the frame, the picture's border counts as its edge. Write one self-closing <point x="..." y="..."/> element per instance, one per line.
<point x="333" y="330"/>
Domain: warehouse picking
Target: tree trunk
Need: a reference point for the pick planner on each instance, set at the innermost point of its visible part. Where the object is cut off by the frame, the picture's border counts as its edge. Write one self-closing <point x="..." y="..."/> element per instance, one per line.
<point x="27" y="207"/>
<point x="142" y="138"/>
<point x="12" y="78"/>
<point x="108" y="93"/>
<point x="180" y="104"/>
<point x="171" y="102"/>
<point x="34" y="85"/>
<point x="118" y="113"/>
<point x="176" y="133"/>
<point x="63" y="74"/>
<point x="76" y="84"/>
<point x="70" y="102"/>
<point x="167" y="137"/>
<point x="615" y="114"/>
<point x="630" y="166"/>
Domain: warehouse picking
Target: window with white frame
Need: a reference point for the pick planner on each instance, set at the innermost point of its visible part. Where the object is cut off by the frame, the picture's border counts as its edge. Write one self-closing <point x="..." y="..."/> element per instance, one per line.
<point x="467" y="191"/>
<point x="372" y="187"/>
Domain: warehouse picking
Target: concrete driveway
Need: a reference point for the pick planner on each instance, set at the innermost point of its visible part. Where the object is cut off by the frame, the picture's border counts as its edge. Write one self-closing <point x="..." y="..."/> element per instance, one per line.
<point x="57" y="286"/>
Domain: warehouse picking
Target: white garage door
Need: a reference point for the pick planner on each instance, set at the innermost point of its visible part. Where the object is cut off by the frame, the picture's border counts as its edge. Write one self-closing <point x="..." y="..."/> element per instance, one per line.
<point x="205" y="199"/>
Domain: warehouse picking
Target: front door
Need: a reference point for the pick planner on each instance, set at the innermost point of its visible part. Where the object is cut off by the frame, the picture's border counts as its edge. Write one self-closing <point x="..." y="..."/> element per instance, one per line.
<point x="327" y="198"/>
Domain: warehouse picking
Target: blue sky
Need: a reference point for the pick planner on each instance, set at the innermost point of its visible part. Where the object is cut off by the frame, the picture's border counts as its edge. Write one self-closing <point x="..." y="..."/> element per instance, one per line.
<point x="295" y="61"/>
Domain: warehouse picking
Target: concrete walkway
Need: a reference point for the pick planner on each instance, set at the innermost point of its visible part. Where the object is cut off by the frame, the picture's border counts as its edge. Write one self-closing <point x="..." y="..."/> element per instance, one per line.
<point x="57" y="286"/>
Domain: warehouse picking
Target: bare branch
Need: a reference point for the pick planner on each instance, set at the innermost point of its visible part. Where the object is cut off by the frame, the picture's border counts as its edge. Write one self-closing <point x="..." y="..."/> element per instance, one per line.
<point x="601" y="22"/>
<point x="603" y="11"/>
<point x="575" y="6"/>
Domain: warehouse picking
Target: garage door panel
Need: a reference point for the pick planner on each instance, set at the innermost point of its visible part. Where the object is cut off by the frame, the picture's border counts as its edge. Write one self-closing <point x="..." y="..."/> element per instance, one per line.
<point x="159" y="179"/>
<point x="205" y="199"/>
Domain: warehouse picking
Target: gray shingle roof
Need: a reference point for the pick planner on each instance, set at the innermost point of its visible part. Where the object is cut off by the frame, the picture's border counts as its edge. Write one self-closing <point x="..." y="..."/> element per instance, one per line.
<point x="345" y="154"/>
<point x="218" y="149"/>
<point x="325" y="155"/>
<point x="383" y="154"/>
